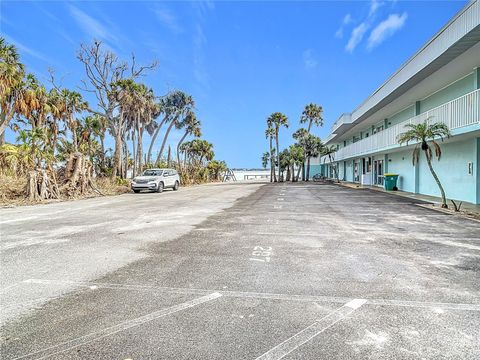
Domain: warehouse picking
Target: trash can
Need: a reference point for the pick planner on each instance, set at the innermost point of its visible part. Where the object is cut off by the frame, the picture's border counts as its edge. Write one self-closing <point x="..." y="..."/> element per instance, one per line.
<point x="390" y="182"/>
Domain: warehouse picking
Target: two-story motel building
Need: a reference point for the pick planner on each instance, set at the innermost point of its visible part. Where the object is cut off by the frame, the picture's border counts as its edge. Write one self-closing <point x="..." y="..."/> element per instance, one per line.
<point x="440" y="83"/>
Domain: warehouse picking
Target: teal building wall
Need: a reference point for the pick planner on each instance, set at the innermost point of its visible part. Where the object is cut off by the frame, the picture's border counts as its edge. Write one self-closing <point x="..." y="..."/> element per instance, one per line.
<point x="452" y="170"/>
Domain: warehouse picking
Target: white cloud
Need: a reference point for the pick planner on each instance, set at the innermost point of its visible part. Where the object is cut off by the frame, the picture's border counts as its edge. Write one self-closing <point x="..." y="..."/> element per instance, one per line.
<point x="91" y="26"/>
<point x="309" y="60"/>
<point x="169" y="20"/>
<point x="386" y="28"/>
<point x="347" y="19"/>
<point x="374" y="6"/>
<point x="356" y="37"/>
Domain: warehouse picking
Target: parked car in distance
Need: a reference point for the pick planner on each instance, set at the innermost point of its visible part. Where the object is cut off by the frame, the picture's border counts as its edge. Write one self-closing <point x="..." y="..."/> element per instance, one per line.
<point x="156" y="180"/>
<point x="318" y="177"/>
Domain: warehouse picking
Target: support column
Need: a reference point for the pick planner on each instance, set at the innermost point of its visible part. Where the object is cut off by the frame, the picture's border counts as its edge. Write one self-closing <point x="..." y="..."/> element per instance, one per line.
<point x="476" y="168"/>
<point x="416" y="177"/>
<point x="476" y="78"/>
<point x="417" y="108"/>
<point x="385" y="166"/>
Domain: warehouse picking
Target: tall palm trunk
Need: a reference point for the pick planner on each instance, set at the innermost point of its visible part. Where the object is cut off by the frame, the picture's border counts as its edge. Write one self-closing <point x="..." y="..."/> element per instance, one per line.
<point x="102" y="145"/>
<point x="117" y="155"/>
<point x="437" y="180"/>
<point x="159" y="157"/>
<point x="134" y="154"/>
<point x="293" y="173"/>
<point x="278" y="152"/>
<point x="3" y="127"/>
<point x="125" y="161"/>
<point x="298" y="171"/>
<point x="272" y="168"/>
<point x="140" y="148"/>
<point x="178" y="150"/>
<point x="308" y="169"/>
<point x="335" y="172"/>
<point x="154" y="138"/>
<point x="169" y="156"/>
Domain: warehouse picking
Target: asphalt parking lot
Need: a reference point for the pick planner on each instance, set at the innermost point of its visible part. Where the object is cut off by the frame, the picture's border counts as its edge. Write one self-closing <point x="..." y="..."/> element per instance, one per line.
<point x="282" y="271"/>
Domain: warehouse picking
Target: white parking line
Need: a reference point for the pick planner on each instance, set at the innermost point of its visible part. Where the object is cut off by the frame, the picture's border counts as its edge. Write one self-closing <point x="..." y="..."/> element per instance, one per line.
<point x="71" y="344"/>
<point x="313" y="330"/>
<point x="280" y="199"/>
<point x="258" y="295"/>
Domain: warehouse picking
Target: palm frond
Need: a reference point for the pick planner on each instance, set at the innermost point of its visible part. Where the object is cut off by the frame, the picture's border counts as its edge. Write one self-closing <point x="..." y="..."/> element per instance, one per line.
<point x="438" y="150"/>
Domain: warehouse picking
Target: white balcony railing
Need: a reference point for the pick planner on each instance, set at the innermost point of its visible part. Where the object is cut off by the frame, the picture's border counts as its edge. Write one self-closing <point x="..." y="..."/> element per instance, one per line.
<point x="458" y="113"/>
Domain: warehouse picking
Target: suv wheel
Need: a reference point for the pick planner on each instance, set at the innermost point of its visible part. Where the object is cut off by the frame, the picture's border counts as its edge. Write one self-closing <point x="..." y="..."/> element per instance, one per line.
<point x="136" y="191"/>
<point x="160" y="187"/>
<point x="176" y="186"/>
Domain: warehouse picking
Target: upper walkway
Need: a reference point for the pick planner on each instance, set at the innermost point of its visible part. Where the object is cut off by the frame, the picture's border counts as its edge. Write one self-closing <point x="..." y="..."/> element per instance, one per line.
<point x="460" y="115"/>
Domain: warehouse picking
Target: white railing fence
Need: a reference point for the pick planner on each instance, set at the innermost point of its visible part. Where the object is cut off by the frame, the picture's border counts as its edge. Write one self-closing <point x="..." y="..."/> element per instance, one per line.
<point x="458" y="113"/>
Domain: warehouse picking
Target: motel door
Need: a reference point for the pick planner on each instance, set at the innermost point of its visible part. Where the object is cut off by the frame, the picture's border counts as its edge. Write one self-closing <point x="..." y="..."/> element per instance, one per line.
<point x="378" y="172"/>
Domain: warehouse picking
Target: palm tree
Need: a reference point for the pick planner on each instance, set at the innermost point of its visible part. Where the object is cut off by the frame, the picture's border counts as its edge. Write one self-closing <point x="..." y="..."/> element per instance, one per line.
<point x="73" y="104"/>
<point x="297" y="158"/>
<point x="313" y="148"/>
<point x="301" y="135"/>
<point x="330" y="151"/>
<point x="269" y="134"/>
<point x="192" y="127"/>
<point x="165" y="106"/>
<point x="276" y="120"/>
<point x="313" y="114"/>
<point x="284" y="164"/>
<point x="143" y="109"/>
<point x="183" y="103"/>
<point x="122" y="93"/>
<point x="265" y="160"/>
<point x="422" y="134"/>
<point x="12" y="72"/>
<point x="215" y="168"/>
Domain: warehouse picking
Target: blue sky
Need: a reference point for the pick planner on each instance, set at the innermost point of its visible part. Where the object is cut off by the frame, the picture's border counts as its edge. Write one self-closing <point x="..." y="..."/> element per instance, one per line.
<point x="240" y="60"/>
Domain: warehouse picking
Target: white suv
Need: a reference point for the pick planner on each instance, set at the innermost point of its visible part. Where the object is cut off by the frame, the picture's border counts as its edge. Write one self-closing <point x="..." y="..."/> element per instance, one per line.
<point x="156" y="180"/>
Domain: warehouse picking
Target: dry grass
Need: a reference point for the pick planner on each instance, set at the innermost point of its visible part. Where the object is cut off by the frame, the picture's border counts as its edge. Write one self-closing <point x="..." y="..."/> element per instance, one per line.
<point x="12" y="190"/>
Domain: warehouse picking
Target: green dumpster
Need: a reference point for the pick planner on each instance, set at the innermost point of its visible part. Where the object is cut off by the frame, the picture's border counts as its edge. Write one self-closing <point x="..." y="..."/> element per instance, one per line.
<point x="390" y="181"/>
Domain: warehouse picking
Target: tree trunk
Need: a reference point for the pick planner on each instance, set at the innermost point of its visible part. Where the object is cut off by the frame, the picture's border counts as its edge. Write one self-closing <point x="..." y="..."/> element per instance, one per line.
<point x="117" y="155"/>
<point x="3" y="127"/>
<point x="179" y="166"/>
<point x="293" y="173"/>
<point x="134" y="154"/>
<point x="303" y="171"/>
<point x="287" y="175"/>
<point x="32" y="186"/>
<point x="298" y="172"/>
<point x="272" y="171"/>
<point x="169" y="156"/>
<point x="437" y="180"/>
<point x="159" y="157"/>
<point x="140" y="147"/>
<point x="154" y="138"/>
<point x="308" y="169"/>
<point x="278" y="153"/>
<point x="125" y="159"/>
<point x="73" y="128"/>
<point x="102" y="145"/>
